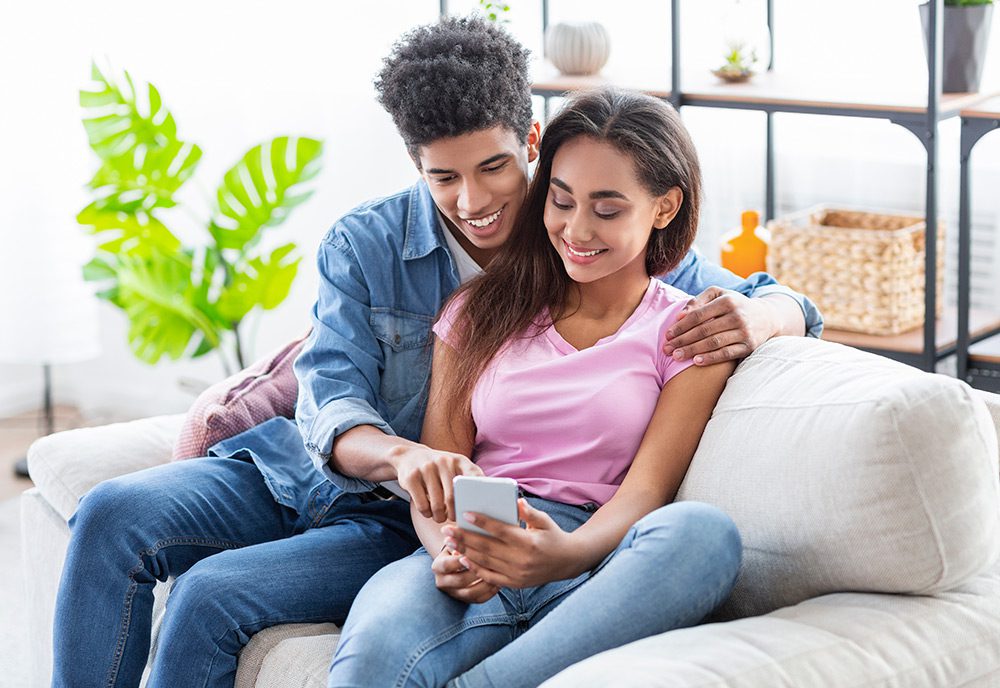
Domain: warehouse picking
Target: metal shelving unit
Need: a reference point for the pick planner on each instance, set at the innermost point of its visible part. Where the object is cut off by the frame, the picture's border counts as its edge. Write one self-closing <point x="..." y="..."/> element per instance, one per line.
<point x="978" y="359"/>
<point x="920" y="114"/>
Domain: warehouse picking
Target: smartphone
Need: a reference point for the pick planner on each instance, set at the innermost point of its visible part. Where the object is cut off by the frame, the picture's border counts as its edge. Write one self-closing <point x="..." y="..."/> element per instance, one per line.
<point x="493" y="497"/>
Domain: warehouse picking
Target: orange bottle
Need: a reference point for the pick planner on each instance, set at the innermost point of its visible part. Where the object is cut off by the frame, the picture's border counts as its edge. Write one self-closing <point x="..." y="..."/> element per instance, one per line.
<point x="744" y="249"/>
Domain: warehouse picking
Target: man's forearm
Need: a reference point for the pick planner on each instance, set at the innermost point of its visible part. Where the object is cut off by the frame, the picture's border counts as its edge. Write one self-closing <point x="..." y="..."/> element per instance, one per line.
<point x="366" y="452"/>
<point x="787" y="314"/>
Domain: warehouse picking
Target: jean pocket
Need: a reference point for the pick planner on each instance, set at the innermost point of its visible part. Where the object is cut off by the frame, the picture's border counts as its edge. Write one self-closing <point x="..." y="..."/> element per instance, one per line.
<point x="405" y="342"/>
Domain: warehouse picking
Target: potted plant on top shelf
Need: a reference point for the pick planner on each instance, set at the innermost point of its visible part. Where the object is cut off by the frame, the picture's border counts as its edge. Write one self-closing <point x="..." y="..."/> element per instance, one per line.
<point x="965" y="35"/>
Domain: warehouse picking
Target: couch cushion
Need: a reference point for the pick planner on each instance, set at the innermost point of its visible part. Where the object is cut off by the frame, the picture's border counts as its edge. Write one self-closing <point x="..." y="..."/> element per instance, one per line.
<point x="844" y="640"/>
<point x="64" y="466"/>
<point x="846" y="471"/>
<point x="288" y="654"/>
<point x="262" y="391"/>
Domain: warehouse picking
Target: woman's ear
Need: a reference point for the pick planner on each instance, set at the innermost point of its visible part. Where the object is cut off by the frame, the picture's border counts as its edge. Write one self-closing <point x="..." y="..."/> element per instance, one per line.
<point x="667" y="207"/>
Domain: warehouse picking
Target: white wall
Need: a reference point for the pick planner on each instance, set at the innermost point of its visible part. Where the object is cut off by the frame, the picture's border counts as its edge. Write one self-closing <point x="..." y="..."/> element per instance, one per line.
<point x="235" y="73"/>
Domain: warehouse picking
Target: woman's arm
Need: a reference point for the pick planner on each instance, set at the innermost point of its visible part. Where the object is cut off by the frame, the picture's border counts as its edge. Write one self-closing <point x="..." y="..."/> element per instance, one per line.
<point x="519" y="558"/>
<point x="455" y="433"/>
<point x="445" y="431"/>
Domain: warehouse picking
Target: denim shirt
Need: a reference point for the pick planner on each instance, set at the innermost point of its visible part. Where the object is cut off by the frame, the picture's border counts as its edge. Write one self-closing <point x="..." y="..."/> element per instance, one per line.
<point x="385" y="271"/>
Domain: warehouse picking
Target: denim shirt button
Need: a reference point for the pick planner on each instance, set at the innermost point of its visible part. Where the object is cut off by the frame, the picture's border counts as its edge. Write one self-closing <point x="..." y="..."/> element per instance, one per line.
<point x="397" y="338"/>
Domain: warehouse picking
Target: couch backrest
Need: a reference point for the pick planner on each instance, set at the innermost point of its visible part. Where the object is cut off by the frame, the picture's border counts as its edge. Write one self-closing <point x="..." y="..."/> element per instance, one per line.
<point x="847" y="471"/>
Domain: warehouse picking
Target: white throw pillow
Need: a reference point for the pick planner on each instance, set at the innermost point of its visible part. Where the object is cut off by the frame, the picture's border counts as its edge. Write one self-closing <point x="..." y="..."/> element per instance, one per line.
<point x="846" y="471"/>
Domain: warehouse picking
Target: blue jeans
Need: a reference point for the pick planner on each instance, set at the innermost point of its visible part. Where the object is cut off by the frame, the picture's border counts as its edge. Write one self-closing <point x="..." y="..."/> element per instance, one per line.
<point x="670" y="570"/>
<point x="242" y="563"/>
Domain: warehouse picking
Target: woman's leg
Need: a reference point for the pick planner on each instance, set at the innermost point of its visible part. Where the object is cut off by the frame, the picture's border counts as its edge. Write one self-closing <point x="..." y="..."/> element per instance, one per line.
<point x="403" y="631"/>
<point x="670" y="571"/>
<point x="312" y="576"/>
<point x="137" y="529"/>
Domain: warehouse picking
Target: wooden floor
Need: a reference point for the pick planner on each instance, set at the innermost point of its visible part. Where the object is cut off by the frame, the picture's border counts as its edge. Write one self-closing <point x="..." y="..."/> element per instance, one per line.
<point x="16" y="435"/>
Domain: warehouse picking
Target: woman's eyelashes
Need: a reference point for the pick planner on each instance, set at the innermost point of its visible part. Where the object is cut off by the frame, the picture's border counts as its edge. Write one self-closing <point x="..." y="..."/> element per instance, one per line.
<point x="603" y="213"/>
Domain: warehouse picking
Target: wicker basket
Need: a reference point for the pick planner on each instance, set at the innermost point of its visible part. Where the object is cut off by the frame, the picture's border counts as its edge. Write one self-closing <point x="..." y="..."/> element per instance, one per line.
<point x="864" y="270"/>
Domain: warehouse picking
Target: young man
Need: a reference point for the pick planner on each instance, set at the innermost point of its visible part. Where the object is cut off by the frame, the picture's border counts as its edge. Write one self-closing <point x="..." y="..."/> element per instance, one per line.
<point x="254" y="535"/>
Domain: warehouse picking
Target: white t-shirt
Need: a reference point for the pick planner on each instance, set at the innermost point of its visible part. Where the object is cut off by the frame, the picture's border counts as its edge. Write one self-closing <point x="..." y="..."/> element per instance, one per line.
<point x="467" y="268"/>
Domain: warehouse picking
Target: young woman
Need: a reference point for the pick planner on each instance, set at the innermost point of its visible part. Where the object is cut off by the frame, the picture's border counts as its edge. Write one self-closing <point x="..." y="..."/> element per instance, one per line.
<point x="547" y="370"/>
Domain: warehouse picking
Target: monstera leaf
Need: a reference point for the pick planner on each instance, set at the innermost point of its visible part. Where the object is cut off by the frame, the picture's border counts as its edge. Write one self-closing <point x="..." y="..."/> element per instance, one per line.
<point x="121" y="232"/>
<point x="262" y="188"/>
<point x="121" y="117"/>
<point x="263" y="281"/>
<point x="162" y="302"/>
<point x="146" y="178"/>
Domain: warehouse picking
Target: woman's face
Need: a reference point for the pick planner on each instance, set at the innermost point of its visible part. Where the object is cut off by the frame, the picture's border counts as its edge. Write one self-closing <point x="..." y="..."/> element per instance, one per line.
<point x="597" y="213"/>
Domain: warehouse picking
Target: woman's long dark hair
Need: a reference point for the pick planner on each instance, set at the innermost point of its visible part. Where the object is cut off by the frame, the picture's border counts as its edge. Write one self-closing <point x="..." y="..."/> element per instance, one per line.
<point x="527" y="275"/>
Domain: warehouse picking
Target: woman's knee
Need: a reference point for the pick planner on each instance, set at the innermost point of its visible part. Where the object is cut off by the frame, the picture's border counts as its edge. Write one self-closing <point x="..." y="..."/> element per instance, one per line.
<point x="698" y="525"/>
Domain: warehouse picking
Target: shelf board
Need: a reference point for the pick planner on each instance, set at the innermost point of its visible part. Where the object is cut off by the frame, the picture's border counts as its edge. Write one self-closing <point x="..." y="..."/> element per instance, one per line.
<point x="827" y="92"/>
<point x="912" y="342"/>
<point x="989" y="109"/>
<point x="986" y="351"/>
<point x="777" y="90"/>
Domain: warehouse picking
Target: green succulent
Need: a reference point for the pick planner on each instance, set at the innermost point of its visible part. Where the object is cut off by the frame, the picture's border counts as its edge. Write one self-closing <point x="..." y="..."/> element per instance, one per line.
<point x="494" y="11"/>
<point x="184" y="300"/>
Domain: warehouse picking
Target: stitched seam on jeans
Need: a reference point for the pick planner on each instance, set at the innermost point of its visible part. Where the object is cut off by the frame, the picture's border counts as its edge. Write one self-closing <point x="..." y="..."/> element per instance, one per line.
<point x="126" y="620"/>
<point x="323" y="512"/>
<point x="446" y="635"/>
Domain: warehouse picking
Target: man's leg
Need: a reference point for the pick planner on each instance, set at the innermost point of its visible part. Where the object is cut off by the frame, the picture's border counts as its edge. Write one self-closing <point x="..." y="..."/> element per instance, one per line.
<point x="403" y="631"/>
<point x="670" y="571"/>
<point x="140" y="528"/>
<point x="312" y="576"/>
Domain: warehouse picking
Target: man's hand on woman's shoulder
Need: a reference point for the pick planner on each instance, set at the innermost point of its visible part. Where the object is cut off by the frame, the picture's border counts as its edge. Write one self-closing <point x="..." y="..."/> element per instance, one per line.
<point x="723" y="325"/>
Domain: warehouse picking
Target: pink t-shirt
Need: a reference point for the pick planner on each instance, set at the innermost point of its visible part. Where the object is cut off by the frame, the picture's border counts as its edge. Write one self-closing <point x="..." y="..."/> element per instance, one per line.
<point x="564" y="423"/>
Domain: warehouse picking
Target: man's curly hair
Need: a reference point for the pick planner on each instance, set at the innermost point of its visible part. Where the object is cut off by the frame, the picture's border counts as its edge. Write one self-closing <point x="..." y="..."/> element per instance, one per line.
<point x="461" y="75"/>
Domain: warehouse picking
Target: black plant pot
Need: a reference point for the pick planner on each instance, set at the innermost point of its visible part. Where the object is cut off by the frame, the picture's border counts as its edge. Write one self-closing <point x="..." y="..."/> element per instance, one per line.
<point x="965" y="35"/>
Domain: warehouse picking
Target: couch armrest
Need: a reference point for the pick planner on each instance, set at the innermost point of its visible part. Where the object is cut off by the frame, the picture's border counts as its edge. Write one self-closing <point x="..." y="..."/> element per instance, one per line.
<point x="64" y="466"/>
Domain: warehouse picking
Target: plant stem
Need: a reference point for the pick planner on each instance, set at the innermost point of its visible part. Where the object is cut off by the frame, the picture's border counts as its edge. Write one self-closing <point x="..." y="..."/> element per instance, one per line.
<point x="239" y="346"/>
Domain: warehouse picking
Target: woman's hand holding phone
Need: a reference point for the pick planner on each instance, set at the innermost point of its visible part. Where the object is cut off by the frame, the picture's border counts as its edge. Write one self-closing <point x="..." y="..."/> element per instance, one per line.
<point x="511" y="556"/>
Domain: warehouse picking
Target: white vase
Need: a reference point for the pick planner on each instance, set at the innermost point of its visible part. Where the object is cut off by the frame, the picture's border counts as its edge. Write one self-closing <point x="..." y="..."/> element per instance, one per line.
<point x="577" y="47"/>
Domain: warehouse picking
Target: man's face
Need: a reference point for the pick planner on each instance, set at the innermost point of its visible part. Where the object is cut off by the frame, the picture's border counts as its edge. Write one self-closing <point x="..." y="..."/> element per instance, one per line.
<point x="478" y="181"/>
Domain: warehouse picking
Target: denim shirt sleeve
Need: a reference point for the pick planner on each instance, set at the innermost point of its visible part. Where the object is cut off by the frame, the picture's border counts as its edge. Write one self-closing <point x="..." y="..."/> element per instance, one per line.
<point x="339" y="367"/>
<point x="695" y="274"/>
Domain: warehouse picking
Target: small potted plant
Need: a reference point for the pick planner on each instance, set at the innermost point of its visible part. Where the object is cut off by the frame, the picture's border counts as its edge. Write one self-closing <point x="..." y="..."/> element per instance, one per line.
<point x="965" y="35"/>
<point x="739" y="62"/>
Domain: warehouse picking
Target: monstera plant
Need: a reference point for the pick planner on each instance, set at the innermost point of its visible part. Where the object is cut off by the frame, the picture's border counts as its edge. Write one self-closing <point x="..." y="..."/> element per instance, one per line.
<point x="185" y="300"/>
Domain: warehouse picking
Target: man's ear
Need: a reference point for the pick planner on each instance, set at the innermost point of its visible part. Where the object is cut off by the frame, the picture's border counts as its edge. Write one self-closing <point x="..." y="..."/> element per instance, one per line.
<point x="414" y="152"/>
<point x="534" y="139"/>
<point x="668" y="205"/>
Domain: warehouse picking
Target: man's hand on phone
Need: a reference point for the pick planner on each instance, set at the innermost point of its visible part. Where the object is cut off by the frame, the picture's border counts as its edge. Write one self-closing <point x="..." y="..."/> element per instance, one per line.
<point x="427" y="475"/>
<point x="454" y="579"/>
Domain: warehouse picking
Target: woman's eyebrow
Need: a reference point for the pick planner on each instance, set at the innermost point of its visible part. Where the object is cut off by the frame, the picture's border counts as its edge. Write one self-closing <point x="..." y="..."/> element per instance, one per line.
<point x="556" y="181"/>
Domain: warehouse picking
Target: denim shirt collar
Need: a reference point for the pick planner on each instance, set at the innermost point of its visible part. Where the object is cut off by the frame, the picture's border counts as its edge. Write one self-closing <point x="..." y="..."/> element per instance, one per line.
<point x="423" y="233"/>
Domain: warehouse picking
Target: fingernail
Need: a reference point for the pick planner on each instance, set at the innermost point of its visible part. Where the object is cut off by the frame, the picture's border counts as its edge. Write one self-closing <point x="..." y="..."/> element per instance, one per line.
<point x="464" y="562"/>
<point x="448" y="531"/>
<point x="699" y="360"/>
<point x="671" y="333"/>
<point x="668" y="350"/>
<point x="471" y="518"/>
<point x="450" y="544"/>
<point x="679" y="354"/>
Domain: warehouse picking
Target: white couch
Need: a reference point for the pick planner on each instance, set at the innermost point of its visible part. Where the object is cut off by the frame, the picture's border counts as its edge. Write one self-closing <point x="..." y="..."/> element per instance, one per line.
<point x="866" y="492"/>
